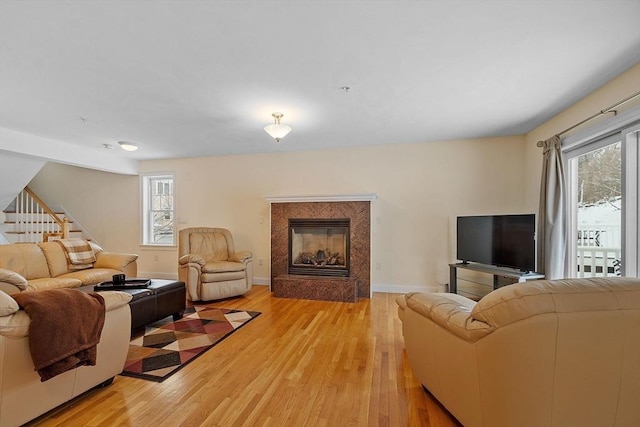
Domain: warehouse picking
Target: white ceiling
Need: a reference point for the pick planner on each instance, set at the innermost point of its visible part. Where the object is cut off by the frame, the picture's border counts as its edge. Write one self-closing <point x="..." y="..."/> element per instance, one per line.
<point x="193" y="78"/>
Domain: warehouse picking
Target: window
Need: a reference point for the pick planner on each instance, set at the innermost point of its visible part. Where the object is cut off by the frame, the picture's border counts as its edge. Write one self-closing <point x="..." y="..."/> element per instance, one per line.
<point x="602" y="173"/>
<point x="158" y="225"/>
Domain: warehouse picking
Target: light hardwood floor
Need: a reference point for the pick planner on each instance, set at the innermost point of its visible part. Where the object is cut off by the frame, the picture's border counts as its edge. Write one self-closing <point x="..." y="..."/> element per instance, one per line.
<point x="300" y="363"/>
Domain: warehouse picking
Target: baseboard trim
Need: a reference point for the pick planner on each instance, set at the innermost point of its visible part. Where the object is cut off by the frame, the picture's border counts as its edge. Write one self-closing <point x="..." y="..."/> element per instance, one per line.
<point x="263" y="281"/>
<point x="156" y="275"/>
<point x="403" y="289"/>
<point x="174" y="276"/>
<point x="266" y="281"/>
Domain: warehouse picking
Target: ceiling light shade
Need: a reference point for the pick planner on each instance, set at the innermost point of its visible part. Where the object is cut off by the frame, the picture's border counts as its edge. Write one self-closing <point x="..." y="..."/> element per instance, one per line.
<point x="128" y="146"/>
<point x="277" y="130"/>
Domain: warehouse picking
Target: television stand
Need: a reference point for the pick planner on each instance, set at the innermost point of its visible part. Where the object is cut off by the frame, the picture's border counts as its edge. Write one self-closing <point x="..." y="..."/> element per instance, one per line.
<point x="498" y="273"/>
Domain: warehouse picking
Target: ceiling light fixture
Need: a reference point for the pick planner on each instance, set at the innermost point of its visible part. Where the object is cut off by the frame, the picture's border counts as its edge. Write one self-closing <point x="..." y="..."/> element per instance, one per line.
<point x="128" y="146"/>
<point x="277" y="130"/>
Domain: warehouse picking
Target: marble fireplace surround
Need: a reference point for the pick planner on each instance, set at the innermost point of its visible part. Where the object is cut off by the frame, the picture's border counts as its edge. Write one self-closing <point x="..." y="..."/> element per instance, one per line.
<point x="356" y="207"/>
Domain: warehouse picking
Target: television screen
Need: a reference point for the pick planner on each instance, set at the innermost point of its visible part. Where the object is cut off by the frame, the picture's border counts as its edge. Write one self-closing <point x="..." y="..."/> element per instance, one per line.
<point x="500" y="240"/>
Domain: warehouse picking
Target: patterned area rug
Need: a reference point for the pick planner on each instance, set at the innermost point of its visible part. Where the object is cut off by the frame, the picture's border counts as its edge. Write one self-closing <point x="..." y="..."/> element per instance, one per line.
<point x="167" y="346"/>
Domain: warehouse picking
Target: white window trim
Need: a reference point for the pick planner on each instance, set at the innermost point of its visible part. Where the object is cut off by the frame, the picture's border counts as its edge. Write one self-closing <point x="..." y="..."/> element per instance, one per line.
<point x="631" y="200"/>
<point x="144" y="188"/>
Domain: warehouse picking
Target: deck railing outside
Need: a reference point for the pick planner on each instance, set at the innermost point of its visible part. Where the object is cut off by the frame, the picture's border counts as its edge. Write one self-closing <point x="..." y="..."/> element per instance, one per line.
<point x="599" y="250"/>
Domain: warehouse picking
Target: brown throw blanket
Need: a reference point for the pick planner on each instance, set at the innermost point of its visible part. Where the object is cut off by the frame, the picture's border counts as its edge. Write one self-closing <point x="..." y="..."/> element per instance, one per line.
<point x="65" y="328"/>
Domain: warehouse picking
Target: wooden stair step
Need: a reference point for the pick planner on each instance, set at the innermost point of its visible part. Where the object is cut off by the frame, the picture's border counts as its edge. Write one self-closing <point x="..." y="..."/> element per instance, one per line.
<point x="43" y="213"/>
<point x="33" y="222"/>
<point x="39" y="232"/>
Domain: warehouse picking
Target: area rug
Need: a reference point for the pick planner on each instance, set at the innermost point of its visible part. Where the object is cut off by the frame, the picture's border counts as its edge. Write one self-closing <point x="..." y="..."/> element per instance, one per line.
<point x="167" y="346"/>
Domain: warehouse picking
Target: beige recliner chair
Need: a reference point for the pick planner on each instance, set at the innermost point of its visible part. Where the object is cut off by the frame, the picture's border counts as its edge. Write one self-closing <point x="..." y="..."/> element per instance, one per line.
<point x="210" y="266"/>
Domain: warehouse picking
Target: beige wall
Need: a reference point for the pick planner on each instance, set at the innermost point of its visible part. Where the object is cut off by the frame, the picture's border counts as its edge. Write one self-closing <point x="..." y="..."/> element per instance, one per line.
<point x="616" y="90"/>
<point x="421" y="188"/>
<point x="105" y="204"/>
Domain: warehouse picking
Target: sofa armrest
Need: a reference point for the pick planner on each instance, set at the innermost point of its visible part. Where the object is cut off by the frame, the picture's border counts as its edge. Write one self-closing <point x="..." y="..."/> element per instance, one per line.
<point x="13" y="278"/>
<point x="191" y="259"/>
<point x="401" y="301"/>
<point x="8" y="305"/>
<point x="113" y="260"/>
<point x="15" y="325"/>
<point x="115" y="299"/>
<point x="450" y="311"/>
<point x="242" y="256"/>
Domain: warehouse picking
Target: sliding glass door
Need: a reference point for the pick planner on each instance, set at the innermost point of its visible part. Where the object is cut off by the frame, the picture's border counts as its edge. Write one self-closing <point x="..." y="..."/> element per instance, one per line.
<point x="597" y="202"/>
<point x="602" y="173"/>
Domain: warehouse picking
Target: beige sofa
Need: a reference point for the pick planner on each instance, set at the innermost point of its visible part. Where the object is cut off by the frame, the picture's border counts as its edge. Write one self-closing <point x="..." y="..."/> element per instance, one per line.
<point x="22" y="396"/>
<point x="542" y="353"/>
<point x="38" y="266"/>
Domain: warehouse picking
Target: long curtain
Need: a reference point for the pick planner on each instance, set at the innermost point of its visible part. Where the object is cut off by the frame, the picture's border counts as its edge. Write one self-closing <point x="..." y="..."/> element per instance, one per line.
<point x="552" y="217"/>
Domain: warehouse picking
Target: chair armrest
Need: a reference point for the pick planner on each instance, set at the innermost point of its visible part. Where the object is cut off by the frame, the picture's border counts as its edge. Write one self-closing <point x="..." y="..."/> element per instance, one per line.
<point x="452" y="312"/>
<point x="242" y="256"/>
<point x="13" y="278"/>
<point x="191" y="259"/>
<point x="113" y="260"/>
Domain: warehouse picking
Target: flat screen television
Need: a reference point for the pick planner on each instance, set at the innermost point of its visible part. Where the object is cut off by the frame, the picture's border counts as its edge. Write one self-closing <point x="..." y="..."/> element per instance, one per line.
<point x="500" y="240"/>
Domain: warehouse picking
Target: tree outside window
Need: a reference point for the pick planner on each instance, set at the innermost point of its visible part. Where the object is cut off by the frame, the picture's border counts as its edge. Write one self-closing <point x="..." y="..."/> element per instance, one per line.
<point x="599" y="175"/>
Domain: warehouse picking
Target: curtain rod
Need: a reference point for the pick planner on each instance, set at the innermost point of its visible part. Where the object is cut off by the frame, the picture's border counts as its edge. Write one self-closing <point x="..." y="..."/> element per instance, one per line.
<point x="598" y="114"/>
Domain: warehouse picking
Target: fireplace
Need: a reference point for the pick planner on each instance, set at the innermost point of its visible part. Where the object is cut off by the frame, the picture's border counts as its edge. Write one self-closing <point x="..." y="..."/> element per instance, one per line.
<point x="319" y="247"/>
<point x="341" y="211"/>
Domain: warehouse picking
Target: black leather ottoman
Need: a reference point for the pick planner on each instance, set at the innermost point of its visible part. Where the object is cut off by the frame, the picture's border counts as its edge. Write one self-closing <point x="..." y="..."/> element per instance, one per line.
<point x="157" y="301"/>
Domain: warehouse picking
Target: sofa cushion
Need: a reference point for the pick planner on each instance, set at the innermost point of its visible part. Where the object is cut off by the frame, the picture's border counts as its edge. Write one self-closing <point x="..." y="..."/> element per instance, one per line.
<point x="520" y="301"/>
<point x="56" y="258"/>
<point x="53" y="283"/>
<point x="13" y="278"/>
<point x="91" y="276"/>
<point x="27" y="260"/>
<point x="114" y="260"/>
<point x="7" y="305"/>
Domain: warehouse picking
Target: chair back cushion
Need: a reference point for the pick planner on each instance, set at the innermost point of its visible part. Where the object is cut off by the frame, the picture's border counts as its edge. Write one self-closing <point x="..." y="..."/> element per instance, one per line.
<point x="213" y="244"/>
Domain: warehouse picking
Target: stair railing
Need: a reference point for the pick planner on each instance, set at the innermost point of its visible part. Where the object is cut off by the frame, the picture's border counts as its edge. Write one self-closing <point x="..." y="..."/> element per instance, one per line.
<point x="35" y="220"/>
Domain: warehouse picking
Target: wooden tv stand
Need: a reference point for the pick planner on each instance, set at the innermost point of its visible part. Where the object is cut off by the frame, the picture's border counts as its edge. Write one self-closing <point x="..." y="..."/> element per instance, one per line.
<point x="515" y="276"/>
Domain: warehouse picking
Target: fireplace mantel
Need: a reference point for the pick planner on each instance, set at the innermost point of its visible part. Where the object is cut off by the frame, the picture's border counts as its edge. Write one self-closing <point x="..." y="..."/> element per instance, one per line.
<point x="354" y="197"/>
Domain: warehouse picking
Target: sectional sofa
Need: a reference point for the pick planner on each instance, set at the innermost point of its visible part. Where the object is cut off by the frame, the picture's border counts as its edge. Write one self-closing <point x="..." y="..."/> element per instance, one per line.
<point x="23" y="396"/>
<point x="27" y="267"/>
<point x="38" y="266"/>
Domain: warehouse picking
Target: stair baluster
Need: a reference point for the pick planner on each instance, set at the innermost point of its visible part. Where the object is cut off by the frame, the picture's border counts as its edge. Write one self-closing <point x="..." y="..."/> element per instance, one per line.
<point x="34" y="221"/>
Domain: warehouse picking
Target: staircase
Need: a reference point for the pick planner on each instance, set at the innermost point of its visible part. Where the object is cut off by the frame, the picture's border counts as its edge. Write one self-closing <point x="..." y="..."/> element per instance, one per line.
<point x="29" y="220"/>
